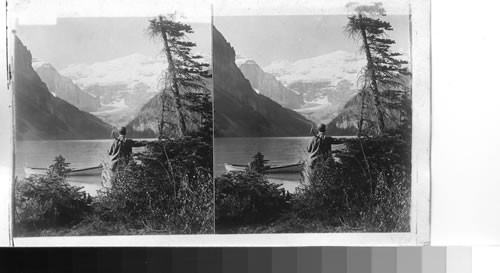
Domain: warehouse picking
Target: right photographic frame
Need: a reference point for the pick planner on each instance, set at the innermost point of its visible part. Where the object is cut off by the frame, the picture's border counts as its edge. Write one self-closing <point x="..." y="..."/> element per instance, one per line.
<point x="322" y="123"/>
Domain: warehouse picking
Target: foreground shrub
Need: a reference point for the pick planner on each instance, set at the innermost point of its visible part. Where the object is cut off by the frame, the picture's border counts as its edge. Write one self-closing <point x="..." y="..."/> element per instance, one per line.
<point x="48" y="201"/>
<point x="170" y="190"/>
<point x="391" y="207"/>
<point x="328" y="191"/>
<point x="244" y="198"/>
<point x="368" y="189"/>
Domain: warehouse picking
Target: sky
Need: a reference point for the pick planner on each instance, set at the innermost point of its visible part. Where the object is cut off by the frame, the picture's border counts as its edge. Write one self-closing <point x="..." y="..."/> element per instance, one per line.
<point x="292" y="37"/>
<point x="72" y="31"/>
<point x="46" y="11"/>
<point x="31" y="12"/>
<point x="90" y="40"/>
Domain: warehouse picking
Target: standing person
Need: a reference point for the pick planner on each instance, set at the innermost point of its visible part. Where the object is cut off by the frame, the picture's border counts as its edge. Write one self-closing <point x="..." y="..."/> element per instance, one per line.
<point x="320" y="146"/>
<point x="120" y="151"/>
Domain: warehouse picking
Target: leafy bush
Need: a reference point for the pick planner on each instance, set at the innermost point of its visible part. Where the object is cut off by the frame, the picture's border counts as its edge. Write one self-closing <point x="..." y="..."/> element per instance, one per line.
<point x="369" y="188"/>
<point x="48" y="201"/>
<point x="170" y="190"/>
<point x="326" y="192"/>
<point x="391" y="209"/>
<point x="247" y="198"/>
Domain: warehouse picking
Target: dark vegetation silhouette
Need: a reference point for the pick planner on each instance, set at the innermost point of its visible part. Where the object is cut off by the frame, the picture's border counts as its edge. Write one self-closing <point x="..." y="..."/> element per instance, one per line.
<point x="384" y="92"/>
<point x="183" y="77"/>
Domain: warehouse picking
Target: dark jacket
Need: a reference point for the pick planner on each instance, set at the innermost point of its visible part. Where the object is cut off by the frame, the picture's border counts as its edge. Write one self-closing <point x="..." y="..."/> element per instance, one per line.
<point x="320" y="147"/>
<point x="121" y="151"/>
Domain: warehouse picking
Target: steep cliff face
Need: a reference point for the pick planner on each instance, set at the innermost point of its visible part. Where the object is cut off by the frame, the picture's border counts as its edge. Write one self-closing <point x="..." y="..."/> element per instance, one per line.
<point x="239" y="110"/>
<point x="268" y="86"/>
<point x="65" y="89"/>
<point x="40" y="115"/>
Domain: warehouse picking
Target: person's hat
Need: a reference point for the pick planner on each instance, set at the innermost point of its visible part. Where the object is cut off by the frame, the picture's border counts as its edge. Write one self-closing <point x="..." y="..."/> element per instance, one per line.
<point x="122" y="131"/>
<point x="322" y="128"/>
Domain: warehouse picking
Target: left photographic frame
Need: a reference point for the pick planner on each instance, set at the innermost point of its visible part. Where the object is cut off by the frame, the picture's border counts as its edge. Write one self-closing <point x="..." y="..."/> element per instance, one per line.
<point x="112" y="125"/>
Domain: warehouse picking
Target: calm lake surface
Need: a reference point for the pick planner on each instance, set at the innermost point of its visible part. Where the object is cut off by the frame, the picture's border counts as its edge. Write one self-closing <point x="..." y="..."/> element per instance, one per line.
<point x="89" y="153"/>
<point x="80" y="153"/>
<point x="278" y="150"/>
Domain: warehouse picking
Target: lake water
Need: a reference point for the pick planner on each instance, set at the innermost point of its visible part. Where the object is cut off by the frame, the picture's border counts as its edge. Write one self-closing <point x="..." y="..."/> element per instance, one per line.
<point x="88" y="153"/>
<point x="278" y="150"/>
<point x="80" y="153"/>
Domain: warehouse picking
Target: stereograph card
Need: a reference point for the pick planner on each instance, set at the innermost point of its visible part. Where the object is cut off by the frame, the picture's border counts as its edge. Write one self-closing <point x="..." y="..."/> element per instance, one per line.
<point x="188" y="123"/>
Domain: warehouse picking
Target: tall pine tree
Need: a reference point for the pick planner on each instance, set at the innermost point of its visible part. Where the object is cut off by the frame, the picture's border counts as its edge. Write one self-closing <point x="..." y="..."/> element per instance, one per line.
<point x="385" y="76"/>
<point x="184" y="74"/>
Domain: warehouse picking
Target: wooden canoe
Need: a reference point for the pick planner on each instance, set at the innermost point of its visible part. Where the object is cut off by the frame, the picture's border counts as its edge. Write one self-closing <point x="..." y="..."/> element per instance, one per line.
<point x="91" y="171"/>
<point x="290" y="168"/>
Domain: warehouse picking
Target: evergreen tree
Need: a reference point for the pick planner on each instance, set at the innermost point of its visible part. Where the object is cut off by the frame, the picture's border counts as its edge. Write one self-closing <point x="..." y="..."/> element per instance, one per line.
<point x="185" y="72"/>
<point x="385" y="76"/>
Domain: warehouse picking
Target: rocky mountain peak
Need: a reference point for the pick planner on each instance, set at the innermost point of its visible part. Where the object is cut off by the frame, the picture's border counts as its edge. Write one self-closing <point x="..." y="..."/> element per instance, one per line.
<point x="269" y="86"/>
<point x="40" y="115"/>
<point x="64" y="87"/>
<point x="239" y="110"/>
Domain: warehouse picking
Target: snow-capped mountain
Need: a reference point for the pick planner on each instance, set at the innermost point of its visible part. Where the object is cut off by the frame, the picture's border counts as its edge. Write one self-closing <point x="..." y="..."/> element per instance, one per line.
<point x="327" y="82"/>
<point x="126" y="72"/>
<point x="64" y="88"/>
<point x="267" y="85"/>
<point x="331" y="67"/>
<point x="124" y="84"/>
